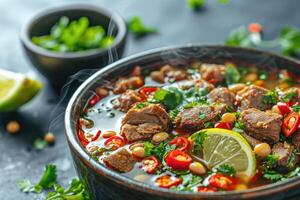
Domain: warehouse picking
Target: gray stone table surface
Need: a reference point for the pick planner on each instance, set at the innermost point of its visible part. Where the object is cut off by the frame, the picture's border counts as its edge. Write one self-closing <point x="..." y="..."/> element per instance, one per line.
<point x="176" y="23"/>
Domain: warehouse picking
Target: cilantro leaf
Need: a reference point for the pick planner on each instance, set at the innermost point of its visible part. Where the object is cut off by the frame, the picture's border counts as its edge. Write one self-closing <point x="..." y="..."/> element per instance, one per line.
<point x="138" y="29"/>
<point x="288" y="96"/>
<point x="188" y="182"/>
<point x="76" y="191"/>
<point x="202" y="115"/>
<point x="239" y="37"/>
<point x="270" y="98"/>
<point x="49" y="177"/>
<point x="26" y="186"/>
<point x="232" y="75"/>
<point x="197" y="140"/>
<point x="160" y="151"/>
<point x="170" y="97"/>
<point x="272" y="175"/>
<point x="226" y="170"/>
<point x="289" y="41"/>
<point x="40" y="144"/>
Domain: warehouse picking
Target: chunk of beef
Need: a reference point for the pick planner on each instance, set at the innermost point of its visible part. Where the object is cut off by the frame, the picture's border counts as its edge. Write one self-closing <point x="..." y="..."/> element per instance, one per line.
<point x="120" y="160"/>
<point x="194" y="119"/>
<point x="285" y="155"/>
<point x="251" y="140"/>
<point x="126" y="100"/>
<point x="294" y="93"/>
<point x="124" y="84"/>
<point x="169" y="72"/>
<point x="140" y="132"/>
<point x="265" y="126"/>
<point x="252" y="97"/>
<point x="203" y="84"/>
<point x="144" y="122"/>
<point x="212" y="73"/>
<point x="221" y="95"/>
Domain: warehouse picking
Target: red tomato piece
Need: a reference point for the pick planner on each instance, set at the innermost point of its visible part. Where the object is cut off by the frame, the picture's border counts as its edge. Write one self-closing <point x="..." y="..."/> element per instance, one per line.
<point x="182" y="143"/>
<point x="224" y="125"/>
<point x="284" y="108"/>
<point x="254" y="28"/>
<point x="178" y="160"/>
<point x="290" y="124"/>
<point x="94" y="100"/>
<point x="115" y="142"/>
<point x="167" y="181"/>
<point x="223" y="182"/>
<point x="95" y="137"/>
<point x="150" y="164"/>
<point x="206" y="189"/>
<point x="148" y="90"/>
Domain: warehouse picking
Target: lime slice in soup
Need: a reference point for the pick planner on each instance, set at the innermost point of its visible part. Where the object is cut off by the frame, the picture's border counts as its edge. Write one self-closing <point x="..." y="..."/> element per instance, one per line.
<point x="15" y="90"/>
<point x="221" y="146"/>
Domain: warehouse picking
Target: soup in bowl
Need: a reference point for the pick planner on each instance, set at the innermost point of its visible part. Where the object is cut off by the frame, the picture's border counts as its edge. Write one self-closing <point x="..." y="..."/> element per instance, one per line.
<point x="188" y="122"/>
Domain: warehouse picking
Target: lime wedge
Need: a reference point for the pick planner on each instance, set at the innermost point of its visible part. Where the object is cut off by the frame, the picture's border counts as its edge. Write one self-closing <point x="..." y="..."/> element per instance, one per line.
<point x="15" y="90"/>
<point x="222" y="146"/>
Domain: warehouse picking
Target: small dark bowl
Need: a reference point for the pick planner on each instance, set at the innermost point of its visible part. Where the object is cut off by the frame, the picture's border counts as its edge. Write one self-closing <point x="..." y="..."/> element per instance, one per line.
<point x="57" y="67"/>
<point x="103" y="183"/>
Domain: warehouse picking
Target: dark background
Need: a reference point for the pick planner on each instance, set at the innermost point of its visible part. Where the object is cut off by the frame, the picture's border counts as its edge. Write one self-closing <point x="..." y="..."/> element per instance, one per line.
<point x="176" y="23"/>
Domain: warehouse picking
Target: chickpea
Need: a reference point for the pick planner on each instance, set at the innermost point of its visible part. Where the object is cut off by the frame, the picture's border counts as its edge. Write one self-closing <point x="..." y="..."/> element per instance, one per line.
<point x="13" y="127"/>
<point x="241" y="187"/>
<point x="101" y="92"/>
<point x="275" y="109"/>
<point x="251" y="77"/>
<point x="236" y="87"/>
<point x="159" y="137"/>
<point x="262" y="150"/>
<point x="138" y="152"/>
<point x="197" y="168"/>
<point x="158" y="76"/>
<point x="131" y="147"/>
<point x="49" y="138"/>
<point x="108" y="134"/>
<point x="228" y="117"/>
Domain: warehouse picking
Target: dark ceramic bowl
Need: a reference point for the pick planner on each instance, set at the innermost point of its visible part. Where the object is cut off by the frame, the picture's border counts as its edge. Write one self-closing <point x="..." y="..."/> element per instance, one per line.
<point x="57" y="67"/>
<point x="103" y="183"/>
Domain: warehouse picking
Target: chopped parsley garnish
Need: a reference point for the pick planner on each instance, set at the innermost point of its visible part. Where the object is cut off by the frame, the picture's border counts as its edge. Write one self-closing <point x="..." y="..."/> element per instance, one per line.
<point x="188" y="182"/>
<point x="271" y="97"/>
<point x="170" y="97"/>
<point x="141" y="105"/>
<point x="202" y="115"/>
<point x="208" y="125"/>
<point x="288" y="96"/>
<point x="226" y="170"/>
<point x="160" y="151"/>
<point x="197" y="140"/>
<point x="239" y="127"/>
<point x="232" y="75"/>
<point x="138" y="29"/>
<point x="296" y="108"/>
<point x="173" y="113"/>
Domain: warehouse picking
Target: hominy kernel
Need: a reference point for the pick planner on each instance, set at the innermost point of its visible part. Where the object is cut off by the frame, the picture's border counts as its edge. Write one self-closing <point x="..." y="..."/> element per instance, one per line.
<point x="49" y="138"/>
<point x="13" y="127"/>
<point x="262" y="150"/>
<point x="159" y="137"/>
<point x="197" y="168"/>
<point x="228" y="117"/>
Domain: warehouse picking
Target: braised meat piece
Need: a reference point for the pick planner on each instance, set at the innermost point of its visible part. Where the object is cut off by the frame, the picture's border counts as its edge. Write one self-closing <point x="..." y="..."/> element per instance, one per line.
<point x="126" y="100"/>
<point x="253" y="97"/>
<point x="203" y="84"/>
<point x="296" y="139"/>
<point x="221" y="95"/>
<point x="194" y="119"/>
<point x="144" y="122"/>
<point x="120" y="160"/>
<point x="265" y="126"/>
<point x="251" y="140"/>
<point x="140" y="132"/>
<point x="285" y="155"/>
<point x="212" y="73"/>
<point x="169" y="72"/>
<point x="124" y="84"/>
<point x="294" y="94"/>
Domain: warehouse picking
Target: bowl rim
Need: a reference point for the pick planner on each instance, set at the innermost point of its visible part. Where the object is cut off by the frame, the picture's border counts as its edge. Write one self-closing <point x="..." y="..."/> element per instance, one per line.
<point x="113" y="15"/>
<point x="147" y="188"/>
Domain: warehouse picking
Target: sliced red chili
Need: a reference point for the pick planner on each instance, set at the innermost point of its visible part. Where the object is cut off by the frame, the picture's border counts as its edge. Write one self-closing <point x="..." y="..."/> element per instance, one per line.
<point x="284" y="108"/>
<point x="115" y="142"/>
<point x="290" y="124"/>
<point x="150" y="164"/>
<point x="81" y="136"/>
<point x="95" y="137"/>
<point x="223" y="182"/>
<point x="206" y="189"/>
<point x="178" y="160"/>
<point x="94" y="100"/>
<point x="182" y="143"/>
<point x="224" y="125"/>
<point x="167" y="181"/>
<point x="148" y="90"/>
<point x="257" y="175"/>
